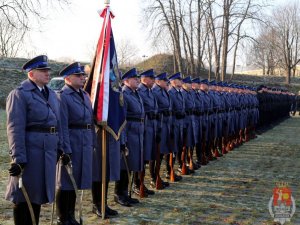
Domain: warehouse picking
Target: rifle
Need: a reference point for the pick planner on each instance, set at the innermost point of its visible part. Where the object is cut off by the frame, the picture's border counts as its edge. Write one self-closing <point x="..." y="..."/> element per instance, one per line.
<point x="191" y="165"/>
<point x="183" y="154"/>
<point x="159" y="184"/>
<point x="128" y="171"/>
<point x="172" y="173"/>
<point x="142" y="186"/>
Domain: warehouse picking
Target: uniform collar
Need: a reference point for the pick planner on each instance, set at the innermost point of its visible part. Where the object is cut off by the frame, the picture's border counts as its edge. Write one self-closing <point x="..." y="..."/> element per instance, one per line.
<point x="127" y="89"/>
<point x="28" y="85"/>
<point x="68" y="89"/>
<point x="142" y="87"/>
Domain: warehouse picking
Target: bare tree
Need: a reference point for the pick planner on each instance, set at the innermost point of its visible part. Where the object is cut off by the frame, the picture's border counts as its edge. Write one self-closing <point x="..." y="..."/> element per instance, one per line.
<point x="17" y="18"/>
<point x="286" y="23"/>
<point x="10" y="39"/>
<point x="127" y="52"/>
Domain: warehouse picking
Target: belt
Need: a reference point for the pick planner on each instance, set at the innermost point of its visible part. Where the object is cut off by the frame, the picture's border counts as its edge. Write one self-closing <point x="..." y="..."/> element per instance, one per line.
<point x="179" y="115"/>
<point x="80" y="126"/>
<point x="198" y="113"/>
<point x="166" y="113"/>
<point x="135" y="119"/>
<point x="188" y="113"/>
<point x="152" y="116"/>
<point x="51" y="130"/>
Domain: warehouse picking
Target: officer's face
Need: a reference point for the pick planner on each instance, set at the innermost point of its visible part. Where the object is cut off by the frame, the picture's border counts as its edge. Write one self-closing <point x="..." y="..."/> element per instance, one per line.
<point x="187" y="86"/>
<point x="177" y="83"/>
<point x="133" y="82"/>
<point x="204" y="87"/>
<point x="76" y="80"/>
<point x="40" y="77"/>
<point x="212" y="87"/>
<point x="195" y="86"/>
<point x="148" y="81"/>
<point x="162" y="83"/>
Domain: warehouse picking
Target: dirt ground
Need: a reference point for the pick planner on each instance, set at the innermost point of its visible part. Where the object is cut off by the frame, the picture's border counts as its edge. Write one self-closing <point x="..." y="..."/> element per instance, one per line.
<point x="235" y="189"/>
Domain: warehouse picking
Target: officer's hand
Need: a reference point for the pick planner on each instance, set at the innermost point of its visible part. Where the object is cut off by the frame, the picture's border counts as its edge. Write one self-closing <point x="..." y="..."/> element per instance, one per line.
<point x="16" y="169"/>
<point x="59" y="154"/>
<point x="65" y="158"/>
<point x="123" y="147"/>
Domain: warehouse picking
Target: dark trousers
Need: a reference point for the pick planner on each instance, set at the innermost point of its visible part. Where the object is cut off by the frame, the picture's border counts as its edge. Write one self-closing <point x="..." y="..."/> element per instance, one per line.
<point x="121" y="186"/>
<point x="97" y="193"/>
<point x="22" y="215"/>
<point x="152" y="167"/>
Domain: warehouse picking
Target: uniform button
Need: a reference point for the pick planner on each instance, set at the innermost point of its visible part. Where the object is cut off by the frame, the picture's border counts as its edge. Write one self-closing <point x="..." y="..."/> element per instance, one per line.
<point x="10" y="152"/>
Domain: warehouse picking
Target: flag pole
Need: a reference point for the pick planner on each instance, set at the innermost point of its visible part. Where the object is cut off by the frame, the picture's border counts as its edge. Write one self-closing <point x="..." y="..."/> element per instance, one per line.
<point x="103" y="172"/>
<point x="103" y="203"/>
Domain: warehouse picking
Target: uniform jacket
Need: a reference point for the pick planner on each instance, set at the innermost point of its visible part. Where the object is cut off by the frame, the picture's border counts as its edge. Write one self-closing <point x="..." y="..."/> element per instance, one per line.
<point x="76" y="110"/>
<point x="134" y="131"/>
<point x="27" y="107"/>
<point x="150" y="107"/>
<point x="164" y="123"/>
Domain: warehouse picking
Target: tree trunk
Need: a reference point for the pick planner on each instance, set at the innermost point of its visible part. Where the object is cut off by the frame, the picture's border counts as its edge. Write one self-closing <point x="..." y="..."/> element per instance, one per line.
<point x="227" y="5"/>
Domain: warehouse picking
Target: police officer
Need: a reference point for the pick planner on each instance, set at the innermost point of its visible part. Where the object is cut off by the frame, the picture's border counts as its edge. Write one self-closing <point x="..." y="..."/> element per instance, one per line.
<point x="206" y="121"/>
<point x="32" y="129"/>
<point x="178" y="115"/>
<point x="133" y="136"/>
<point x="78" y="142"/>
<point x="189" y="125"/>
<point x="198" y="116"/>
<point x="164" y="120"/>
<point x="150" y="107"/>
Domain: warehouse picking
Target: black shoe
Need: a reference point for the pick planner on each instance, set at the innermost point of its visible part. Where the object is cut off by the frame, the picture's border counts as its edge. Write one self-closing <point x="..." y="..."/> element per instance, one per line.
<point x="97" y="211"/>
<point x="72" y="220"/>
<point x="178" y="177"/>
<point x="132" y="200"/>
<point x="59" y="222"/>
<point x="121" y="200"/>
<point x="189" y="171"/>
<point x="110" y="212"/>
<point x="149" y="192"/>
<point x="165" y="183"/>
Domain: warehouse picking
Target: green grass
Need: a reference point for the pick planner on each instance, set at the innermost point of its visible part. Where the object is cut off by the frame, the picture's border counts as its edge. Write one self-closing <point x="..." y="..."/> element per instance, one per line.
<point x="233" y="190"/>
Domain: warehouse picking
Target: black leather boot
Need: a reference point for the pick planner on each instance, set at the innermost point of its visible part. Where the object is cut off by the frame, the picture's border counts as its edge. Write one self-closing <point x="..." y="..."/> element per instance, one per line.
<point x="62" y="207"/>
<point x="21" y="213"/>
<point x="71" y="208"/>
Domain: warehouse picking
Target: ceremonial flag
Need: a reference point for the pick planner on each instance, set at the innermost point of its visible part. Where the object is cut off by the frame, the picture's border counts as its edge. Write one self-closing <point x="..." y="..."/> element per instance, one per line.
<point x="103" y="81"/>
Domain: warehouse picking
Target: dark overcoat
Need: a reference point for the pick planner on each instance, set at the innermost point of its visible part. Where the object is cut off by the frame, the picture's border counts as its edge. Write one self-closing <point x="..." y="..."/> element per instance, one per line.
<point x="27" y="107"/>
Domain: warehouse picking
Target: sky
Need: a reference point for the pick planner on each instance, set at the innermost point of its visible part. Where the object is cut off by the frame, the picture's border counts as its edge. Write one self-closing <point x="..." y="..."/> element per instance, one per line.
<point x="70" y="34"/>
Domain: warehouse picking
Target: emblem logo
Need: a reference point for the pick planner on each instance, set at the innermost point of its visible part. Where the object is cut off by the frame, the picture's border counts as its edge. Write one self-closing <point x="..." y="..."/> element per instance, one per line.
<point x="282" y="204"/>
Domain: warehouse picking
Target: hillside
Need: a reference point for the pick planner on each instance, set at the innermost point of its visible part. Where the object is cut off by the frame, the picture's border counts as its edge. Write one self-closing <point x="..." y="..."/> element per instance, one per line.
<point x="11" y="75"/>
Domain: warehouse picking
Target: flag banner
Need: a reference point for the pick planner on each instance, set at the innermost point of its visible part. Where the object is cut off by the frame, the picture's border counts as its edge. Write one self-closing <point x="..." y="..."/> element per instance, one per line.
<point x="103" y="81"/>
